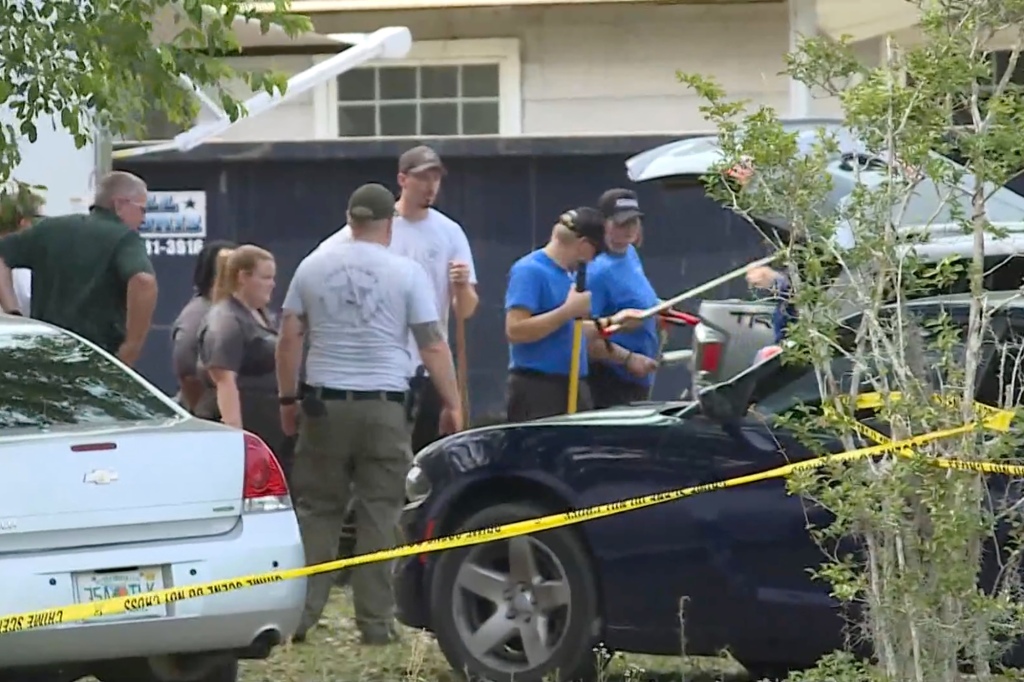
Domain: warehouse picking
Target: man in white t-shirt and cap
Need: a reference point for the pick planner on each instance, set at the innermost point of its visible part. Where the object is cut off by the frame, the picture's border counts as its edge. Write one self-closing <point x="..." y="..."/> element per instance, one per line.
<point x="439" y="244"/>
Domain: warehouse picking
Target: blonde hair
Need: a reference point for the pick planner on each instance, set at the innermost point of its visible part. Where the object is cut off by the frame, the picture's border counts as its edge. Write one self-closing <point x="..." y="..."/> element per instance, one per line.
<point x="231" y="263"/>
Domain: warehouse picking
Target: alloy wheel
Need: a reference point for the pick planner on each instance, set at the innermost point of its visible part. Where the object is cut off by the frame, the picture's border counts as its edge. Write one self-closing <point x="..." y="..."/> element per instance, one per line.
<point x="511" y="603"/>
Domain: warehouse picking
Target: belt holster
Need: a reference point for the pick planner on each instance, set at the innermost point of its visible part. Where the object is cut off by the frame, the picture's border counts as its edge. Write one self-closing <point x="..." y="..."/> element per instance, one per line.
<point x="413" y="399"/>
<point x="312" y="402"/>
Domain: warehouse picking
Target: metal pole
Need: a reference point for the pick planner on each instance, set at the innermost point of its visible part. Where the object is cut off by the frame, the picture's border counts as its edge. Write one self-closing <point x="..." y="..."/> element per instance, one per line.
<point x="697" y="291"/>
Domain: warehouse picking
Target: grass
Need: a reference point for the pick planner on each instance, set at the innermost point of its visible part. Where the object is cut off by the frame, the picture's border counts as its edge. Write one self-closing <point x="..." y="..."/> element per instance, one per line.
<point x="333" y="653"/>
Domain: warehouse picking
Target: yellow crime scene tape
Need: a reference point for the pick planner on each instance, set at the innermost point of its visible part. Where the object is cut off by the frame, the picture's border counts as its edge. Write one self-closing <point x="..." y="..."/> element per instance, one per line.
<point x="30" y="620"/>
<point x="994" y="418"/>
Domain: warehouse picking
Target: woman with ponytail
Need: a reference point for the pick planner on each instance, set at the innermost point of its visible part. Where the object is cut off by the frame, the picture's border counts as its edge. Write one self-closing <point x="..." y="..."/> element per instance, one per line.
<point x="237" y="341"/>
<point x="185" y="330"/>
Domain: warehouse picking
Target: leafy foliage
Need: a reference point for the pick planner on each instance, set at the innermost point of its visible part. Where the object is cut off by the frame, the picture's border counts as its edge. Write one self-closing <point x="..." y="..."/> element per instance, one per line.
<point x="926" y="561"/>
<point x="93" y="63"/>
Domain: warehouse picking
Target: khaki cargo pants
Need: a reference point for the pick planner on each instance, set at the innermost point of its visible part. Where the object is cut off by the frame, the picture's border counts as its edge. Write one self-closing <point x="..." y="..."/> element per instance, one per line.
<point x="357" y="448"/>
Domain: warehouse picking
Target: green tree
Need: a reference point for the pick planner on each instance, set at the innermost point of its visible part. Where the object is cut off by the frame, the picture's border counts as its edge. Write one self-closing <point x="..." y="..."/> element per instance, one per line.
<point x="923" y="532"/>
<point x="91" y="64"/>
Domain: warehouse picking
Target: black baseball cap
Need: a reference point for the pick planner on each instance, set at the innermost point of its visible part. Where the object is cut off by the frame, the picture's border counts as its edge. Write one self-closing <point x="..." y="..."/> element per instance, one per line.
<point x="587" y="223"/>
<point x="419" y="159"/>
<point x="371" y="202"/>
<point x="619" y="205"/>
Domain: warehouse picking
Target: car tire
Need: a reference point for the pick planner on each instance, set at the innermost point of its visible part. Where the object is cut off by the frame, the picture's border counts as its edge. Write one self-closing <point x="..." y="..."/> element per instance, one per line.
<point x="562" y="604"/>
<point x="141" y="670"/>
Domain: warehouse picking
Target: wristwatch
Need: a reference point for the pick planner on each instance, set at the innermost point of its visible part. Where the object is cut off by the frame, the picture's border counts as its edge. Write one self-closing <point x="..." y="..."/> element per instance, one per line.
<point x="287" y="399"/>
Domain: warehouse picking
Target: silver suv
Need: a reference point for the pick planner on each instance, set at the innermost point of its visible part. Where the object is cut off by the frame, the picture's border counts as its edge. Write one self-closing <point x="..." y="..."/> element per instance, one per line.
<point x="732" y="331"/>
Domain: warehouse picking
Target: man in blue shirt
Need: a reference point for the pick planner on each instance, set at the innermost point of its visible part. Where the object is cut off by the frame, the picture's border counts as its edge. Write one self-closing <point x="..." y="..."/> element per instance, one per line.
<point x="541" y="305"/>
<point x="617" y="281"/>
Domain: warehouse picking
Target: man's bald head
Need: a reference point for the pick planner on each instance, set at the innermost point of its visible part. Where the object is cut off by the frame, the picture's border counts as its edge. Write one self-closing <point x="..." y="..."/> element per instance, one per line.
<point x="125" y="195"/>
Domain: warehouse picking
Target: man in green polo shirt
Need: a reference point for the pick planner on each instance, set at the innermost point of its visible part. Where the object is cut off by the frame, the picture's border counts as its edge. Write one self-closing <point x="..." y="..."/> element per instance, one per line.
<point x="90" y="272"/>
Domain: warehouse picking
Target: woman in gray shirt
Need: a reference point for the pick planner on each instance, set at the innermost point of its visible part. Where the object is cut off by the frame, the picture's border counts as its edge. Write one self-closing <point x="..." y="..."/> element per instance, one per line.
<point x="185" y="331"/>
<point x="237" y="342"/>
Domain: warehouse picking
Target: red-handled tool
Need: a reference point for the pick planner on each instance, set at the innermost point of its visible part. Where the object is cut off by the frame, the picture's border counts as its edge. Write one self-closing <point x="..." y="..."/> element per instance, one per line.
<point x="679" y="317"/>
<point x="698" y="290"/>
<point x="665" y="317"/>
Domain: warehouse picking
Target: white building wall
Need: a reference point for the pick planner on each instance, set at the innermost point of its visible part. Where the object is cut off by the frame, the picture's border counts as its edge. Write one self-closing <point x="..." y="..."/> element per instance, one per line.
<point x="290" y="121"/>
<point x="585" y="70"/>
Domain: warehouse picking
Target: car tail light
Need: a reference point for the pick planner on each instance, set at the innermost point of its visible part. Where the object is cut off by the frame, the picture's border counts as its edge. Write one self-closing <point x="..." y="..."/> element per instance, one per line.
<point x="709" y="357"/>
<point x="264" y="487"/>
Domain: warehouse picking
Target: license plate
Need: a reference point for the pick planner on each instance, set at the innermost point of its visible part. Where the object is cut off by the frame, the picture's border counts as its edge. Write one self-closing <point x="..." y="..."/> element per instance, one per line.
<point x="91" y="587"/>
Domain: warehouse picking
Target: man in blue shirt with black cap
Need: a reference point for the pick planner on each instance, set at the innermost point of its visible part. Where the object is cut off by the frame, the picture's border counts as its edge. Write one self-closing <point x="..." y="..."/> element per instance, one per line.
<point x="617" y="281"/>
<point x="541" y="305"/>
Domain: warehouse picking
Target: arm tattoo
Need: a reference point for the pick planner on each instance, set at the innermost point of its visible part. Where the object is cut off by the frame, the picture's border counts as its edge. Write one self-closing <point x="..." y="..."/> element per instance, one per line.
<point x="302" y="320"/>
<point x="427" y="333"/>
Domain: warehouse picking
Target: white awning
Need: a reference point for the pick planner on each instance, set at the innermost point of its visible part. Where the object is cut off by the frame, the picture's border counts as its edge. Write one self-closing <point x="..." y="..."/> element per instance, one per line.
<point x="393" y="42"/>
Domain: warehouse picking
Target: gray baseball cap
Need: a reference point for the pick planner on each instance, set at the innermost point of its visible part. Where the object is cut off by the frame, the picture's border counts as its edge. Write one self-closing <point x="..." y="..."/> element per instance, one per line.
<point x="419" y="159"/>
<point x="372" y="202"/>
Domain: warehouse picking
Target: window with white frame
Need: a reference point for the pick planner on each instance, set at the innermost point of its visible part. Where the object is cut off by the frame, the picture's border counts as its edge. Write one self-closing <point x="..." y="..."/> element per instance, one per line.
<point x="443" y="88"/>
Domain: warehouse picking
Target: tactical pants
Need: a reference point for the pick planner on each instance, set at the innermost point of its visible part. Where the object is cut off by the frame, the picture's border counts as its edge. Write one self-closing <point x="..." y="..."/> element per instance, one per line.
<point x="358" y="447"/>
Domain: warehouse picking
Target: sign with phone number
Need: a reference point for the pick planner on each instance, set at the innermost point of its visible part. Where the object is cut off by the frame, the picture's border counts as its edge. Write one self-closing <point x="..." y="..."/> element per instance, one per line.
<point x="175" y="223"/>
<point x="173" y="247"/>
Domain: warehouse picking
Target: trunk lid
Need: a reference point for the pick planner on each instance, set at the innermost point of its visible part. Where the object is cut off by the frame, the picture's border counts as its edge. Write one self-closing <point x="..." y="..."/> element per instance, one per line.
<point x="86" y="487"/>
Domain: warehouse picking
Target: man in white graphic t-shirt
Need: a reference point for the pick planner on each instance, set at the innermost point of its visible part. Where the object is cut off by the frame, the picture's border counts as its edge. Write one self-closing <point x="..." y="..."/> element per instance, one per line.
<point x="439" y="244"/>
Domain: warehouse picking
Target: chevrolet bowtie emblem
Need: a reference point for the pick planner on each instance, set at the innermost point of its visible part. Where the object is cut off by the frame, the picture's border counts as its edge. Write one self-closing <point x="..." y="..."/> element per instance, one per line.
<point x="100" y="477"/>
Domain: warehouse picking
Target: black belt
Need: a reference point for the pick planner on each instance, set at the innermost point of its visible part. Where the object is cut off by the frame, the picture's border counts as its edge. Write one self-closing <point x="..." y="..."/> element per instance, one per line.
<point x="537" y="374"/>
<point x="344" y="394"/>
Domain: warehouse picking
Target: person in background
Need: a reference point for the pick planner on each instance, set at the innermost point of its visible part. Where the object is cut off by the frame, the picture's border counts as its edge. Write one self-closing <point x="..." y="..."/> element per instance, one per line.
<point x="439" y="244"/>
<point x="185" y="330"/>
<point x="19" y="209"/>
<point x="617" y="281"/>
<point x="541" y="305"/>
<point x="90" y="272"/>
<point x="358" y="301"/>
<point x="237" y="342"/>
<point x="777" y="283"/>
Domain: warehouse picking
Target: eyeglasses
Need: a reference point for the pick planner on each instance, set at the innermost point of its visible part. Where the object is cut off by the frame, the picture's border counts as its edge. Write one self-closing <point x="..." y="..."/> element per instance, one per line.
<point x="141" y="205"/>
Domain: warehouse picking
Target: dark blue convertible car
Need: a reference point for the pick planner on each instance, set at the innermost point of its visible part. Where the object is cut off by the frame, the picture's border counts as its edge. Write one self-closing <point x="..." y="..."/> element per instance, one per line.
<point x="532" y="607"/>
